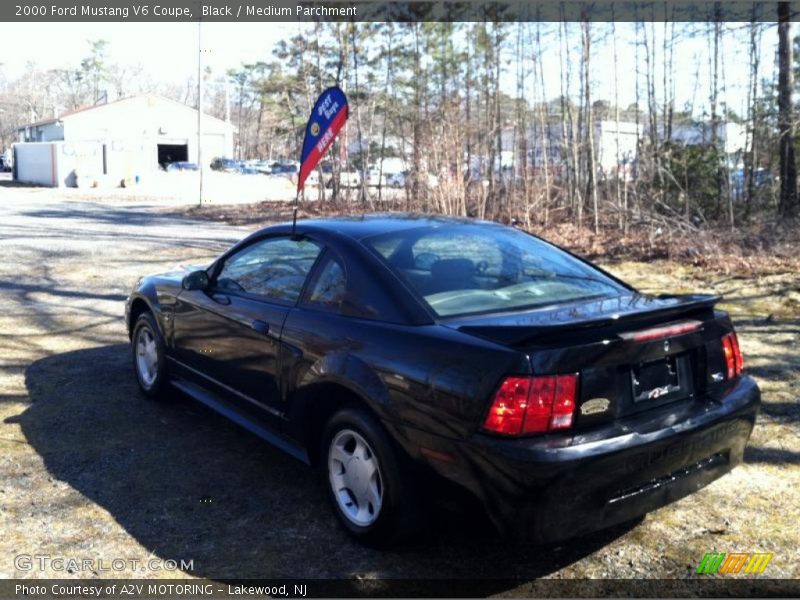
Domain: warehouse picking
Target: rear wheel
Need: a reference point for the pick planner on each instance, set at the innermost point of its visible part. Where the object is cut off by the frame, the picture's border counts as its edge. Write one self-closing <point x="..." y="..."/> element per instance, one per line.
<point x="367" y="483"/>
<point x="149" y="360"/>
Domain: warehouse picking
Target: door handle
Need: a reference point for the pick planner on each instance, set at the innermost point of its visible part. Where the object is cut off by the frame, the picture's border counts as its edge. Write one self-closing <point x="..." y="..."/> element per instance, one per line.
<point x="220" y="298"/>
<point x="260" y="326"/>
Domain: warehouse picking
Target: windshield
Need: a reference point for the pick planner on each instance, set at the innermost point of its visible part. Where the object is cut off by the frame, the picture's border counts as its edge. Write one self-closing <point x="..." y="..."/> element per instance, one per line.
<point x="467" y="269"/>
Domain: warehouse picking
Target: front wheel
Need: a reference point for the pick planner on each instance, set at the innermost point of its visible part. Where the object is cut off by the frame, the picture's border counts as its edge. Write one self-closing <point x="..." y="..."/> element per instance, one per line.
<point x="149" y="361"/>
<point x="367" y="482"/>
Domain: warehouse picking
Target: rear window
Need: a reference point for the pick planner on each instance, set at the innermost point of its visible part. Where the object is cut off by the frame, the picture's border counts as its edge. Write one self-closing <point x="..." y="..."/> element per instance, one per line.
<point x="468" y="269"/>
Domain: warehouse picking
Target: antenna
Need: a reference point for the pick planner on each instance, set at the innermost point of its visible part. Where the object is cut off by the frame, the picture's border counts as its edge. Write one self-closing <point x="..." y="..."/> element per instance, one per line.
<point x="294" y="213"/>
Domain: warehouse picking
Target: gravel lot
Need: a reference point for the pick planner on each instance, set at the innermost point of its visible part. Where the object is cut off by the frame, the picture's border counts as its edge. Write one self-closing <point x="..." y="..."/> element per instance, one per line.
<point x="90" y="469"/>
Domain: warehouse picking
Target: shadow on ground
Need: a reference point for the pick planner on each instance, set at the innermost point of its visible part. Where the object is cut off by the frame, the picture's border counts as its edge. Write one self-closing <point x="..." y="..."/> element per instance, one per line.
<point x="186" y="483"/>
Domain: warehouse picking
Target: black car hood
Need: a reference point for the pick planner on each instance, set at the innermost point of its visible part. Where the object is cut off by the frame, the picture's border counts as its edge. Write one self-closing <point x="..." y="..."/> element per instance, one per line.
<point x="601" y="313"/>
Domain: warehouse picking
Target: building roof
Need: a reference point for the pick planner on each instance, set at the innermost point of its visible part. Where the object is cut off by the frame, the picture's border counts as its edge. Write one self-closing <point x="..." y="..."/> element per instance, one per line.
<point x="84" y="109"/>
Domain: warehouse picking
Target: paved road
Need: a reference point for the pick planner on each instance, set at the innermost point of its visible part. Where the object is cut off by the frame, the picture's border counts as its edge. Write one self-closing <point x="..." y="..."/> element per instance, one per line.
<point x="73" y="250"/>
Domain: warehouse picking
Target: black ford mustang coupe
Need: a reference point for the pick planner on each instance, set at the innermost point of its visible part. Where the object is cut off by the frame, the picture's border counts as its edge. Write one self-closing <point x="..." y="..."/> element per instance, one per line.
<point x="393" y="350"/>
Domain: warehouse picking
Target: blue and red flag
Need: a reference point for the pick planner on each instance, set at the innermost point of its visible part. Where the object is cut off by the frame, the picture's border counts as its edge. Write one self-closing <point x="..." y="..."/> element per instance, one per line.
<point x="327" y="118"/>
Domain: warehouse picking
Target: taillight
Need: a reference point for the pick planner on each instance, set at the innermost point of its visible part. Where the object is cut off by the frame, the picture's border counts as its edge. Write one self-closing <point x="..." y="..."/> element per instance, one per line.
<point x="564" y="402"/>
<point x="508" y="409"/>
<point x="734" y="362"/>
<point x="533" y="405"/>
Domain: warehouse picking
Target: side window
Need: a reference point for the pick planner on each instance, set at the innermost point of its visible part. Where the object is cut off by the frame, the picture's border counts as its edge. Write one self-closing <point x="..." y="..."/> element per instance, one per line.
<point x="275" y="268"/>
<point x="329" y="288"/>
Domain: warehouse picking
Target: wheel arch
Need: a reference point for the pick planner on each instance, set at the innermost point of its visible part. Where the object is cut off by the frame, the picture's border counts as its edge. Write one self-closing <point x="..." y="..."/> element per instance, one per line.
<point x="139" y="306"/>
<point x="320" y="401"/>
<point x="335" y="381"/>
<point x="145" y="299"/>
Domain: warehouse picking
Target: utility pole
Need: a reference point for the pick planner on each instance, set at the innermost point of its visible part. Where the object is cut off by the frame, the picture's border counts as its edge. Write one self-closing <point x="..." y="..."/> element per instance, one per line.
<point x="200" y="109"/>
<point x="227" y="100"/>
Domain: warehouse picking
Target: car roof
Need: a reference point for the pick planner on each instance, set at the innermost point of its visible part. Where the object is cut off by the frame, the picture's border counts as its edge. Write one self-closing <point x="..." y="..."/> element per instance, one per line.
<point x="363" y="226"/>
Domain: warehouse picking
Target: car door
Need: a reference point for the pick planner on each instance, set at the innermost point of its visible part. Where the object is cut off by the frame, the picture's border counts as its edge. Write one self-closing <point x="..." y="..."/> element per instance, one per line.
<point x="229" y="335"/>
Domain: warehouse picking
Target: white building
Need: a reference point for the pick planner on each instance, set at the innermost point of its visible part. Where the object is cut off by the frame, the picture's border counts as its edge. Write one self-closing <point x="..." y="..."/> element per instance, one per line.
<point x="125" y="139"/>
<point x="731" y="137"/>
<point x="615" y="144"/>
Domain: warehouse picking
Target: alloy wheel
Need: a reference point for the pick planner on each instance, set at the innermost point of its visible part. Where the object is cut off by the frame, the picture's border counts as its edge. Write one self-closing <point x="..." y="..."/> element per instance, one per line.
<point x="355" y="477"/>
<point x="146" y="357"/>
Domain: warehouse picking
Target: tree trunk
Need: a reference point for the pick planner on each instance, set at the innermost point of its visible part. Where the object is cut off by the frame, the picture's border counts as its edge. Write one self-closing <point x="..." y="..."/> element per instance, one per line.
<point x="751" y="157"/>
<point x="544" y="126"/>
<point x="715" y="121"/>
<point x="386" y="95"/>
<point x="591" y="167"/>
<point x="788" y="197"/>
<point x="416" y="128"/>
<point x="363" y="155"/>
<point x="622" y="208"/>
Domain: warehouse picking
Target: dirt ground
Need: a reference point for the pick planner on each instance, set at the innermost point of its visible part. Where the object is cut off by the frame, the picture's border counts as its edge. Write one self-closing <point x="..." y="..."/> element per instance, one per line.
<point x="90" y="469"/>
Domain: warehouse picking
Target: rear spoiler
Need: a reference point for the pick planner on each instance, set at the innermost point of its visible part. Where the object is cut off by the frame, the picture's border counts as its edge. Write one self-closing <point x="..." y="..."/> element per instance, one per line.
<point x="564" y="324"/>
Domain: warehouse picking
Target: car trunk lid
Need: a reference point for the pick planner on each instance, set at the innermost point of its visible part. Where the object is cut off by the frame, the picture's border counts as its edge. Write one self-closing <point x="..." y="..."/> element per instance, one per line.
<point x="632" y="352"/>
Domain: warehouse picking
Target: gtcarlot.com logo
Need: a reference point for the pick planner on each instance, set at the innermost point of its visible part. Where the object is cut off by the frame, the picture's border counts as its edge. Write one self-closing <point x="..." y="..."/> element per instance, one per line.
<point x="71" y="564"/>
<point x="734" y="562"/>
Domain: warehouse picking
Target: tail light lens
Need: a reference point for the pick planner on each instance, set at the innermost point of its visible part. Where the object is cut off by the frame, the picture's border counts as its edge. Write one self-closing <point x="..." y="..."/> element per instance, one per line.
<point x="734" y="362"/>
<point x="508" y="409"/>
<point x="564" y="402"/>
<point x="533" y="405"/>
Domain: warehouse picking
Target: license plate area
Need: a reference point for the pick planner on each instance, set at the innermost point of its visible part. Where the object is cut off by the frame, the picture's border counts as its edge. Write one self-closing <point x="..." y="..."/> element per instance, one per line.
<point x="661" y="380"/>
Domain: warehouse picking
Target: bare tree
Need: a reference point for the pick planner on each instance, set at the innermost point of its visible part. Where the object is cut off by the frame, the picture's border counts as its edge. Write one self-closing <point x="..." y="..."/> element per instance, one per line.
<point x="751" y="144"/>
<point x="787" y="206"/>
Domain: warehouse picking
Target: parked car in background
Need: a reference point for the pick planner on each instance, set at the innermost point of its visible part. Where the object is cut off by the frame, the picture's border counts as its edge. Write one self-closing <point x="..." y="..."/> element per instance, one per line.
<point x="404" y="178"/>
<point x="182" y="166"/>
<point x="263" y="166"/>
<point x="314" y="176"/>
<point x="229" y="165"/>
<point x="346" y="179"/>
<point x="400" y="353"/>
<point x="6" y="160"/>
<point x="285" y="168"/>
<point x="375" y="177"/>
<point x="397" y="179"/>
<point x="351" y="178"/>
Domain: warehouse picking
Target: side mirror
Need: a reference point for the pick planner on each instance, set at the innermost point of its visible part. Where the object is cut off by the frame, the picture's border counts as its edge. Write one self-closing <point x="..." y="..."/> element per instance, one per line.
<point x="196" y="280"/>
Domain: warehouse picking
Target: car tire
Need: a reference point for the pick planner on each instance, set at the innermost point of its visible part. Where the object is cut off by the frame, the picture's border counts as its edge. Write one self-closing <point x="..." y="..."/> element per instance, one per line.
<point x="149" y="357"/>
<point x="368" y="481"/>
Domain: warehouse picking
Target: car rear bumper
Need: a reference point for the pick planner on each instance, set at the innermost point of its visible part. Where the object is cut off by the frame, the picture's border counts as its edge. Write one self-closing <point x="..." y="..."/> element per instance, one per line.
<point x="552" y="488"/>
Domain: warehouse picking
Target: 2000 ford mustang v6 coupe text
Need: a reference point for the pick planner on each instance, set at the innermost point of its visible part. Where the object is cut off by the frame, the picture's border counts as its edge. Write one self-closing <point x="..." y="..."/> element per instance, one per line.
<point x="389" y="349"/>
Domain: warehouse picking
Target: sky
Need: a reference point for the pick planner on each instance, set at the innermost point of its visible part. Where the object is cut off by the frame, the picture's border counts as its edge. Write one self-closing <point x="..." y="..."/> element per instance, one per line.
<point x="168" y="53"/>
